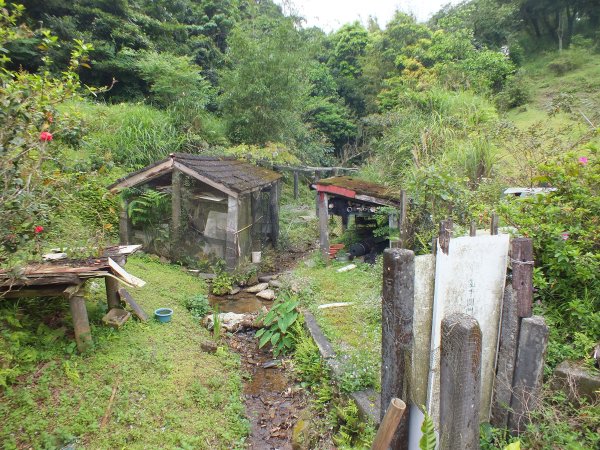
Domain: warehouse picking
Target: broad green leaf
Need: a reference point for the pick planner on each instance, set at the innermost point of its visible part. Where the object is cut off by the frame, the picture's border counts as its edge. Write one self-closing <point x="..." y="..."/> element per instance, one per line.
<point x="513" y="446"/>
<point x="275" y="338"/>
<point x="264" y="339"/>
<point x="260" y="332"/>
<point x="428" y="441"/>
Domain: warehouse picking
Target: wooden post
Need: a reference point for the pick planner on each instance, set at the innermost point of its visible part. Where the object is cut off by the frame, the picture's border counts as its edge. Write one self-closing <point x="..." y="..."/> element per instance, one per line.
<point x="176" y="182"/>
<point x="231" y="242"/>
<point x="137" y="309"/>
<point x="505" y="365"/>
<point x="257" y="232"/>
<point x="112" y="286"/>
<point x="494" y="224"/>
<point x="473" y="228"/>
<point x="445" y="235"/>
<point x="402" y="218"/>
<point x="324" y="224"/>
<point x="295" y="184"/>
<point x="522" y="274"/>
<point x="124" y="223"/>
<point x="397" y="332"/>
<point x="389" y="424"/>
<point x="529" y="372"/>
<point x="274" y="211"/>
<point x="81" y="324"/>
<point x="460" y="382"/>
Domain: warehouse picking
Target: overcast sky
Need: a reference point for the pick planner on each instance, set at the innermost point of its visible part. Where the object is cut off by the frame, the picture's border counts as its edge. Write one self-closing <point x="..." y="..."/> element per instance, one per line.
<point x="331" y="14"/>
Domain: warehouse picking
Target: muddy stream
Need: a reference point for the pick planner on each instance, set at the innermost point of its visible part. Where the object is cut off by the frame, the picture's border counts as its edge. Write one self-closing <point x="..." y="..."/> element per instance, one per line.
<point x="273" y="401"/>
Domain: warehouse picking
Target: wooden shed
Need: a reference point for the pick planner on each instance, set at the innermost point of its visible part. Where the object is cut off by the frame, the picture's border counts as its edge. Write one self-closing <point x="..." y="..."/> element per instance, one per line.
<point x="216" y="208"/>
<point x="348" y="196"/>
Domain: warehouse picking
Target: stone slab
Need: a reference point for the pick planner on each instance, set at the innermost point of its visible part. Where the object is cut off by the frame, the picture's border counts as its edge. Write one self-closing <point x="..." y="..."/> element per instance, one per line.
<point x="469" y="279"/>
<point x="529" y="371"/>
<point x="577" y="381"/>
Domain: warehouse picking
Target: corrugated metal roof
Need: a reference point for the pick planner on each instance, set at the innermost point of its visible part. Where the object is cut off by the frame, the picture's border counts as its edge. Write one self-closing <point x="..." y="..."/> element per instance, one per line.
<point x="235" y="175"/>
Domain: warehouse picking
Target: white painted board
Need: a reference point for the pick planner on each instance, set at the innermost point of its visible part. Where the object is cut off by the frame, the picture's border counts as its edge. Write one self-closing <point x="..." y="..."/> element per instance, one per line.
<point x="469" y="279"/>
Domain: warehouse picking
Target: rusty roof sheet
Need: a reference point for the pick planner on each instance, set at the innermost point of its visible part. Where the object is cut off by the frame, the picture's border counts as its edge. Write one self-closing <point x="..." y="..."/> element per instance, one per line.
<point x="238" y="176"/>
<point x="362" y="187"/>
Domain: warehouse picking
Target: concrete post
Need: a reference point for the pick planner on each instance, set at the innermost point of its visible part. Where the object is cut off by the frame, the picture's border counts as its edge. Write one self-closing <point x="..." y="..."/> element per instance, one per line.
<point x="397" y="333"/>
<point x="460" y="382"/>
<point x="529" y="371"/>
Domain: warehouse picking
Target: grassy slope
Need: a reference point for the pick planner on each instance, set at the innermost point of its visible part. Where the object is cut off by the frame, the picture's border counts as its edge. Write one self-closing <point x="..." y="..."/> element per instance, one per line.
<point x="169" y="393"/>
<point x="583" y="82"/>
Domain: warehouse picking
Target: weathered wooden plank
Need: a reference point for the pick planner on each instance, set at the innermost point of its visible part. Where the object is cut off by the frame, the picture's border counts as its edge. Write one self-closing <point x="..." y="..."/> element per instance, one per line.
<point x="124" y="222"/>
<point x="494" y="224"/>
<point x="529" y="372"/>
<point x="460" y="382"/>
<point x="143" y="177"/>
<point x="323" y="212"/>
<point x="505" y="364"/>
<point x="522" y="274"/>
<point x="124" y="275"/>
<point x="137" y="309"/>
<point x="445" y="234"/>
<point x="397" y="333"/>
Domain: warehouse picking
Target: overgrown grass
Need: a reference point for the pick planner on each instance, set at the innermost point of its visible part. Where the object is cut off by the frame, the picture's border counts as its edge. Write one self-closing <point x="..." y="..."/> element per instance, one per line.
<point x="169" y="394"/>
<point x="355" y="330"/>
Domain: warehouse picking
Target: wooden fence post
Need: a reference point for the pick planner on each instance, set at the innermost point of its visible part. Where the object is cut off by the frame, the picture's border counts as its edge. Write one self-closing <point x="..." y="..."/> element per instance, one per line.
<point x="112" y="286"/>
<point x="445" y="234"/>
<point x="397" y="333"/>
<point x="402" y="219"/>
<point x="274" y="212"/>
<point x="460" y="382"/>
<point x="505" y="365"/>
<point x="529" y="372"/>
<point x="494" y="224"/>
<point x="176" y="184"/>
<point x="522" y="274"/>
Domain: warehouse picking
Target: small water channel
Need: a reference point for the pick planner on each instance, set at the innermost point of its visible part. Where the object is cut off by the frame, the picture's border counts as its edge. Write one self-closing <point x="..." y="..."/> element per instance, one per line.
<point x="273" y="402"/>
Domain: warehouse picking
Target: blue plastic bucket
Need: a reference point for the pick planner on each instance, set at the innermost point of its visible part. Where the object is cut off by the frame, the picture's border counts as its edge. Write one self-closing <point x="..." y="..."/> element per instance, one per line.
<point x="163" y="314"/>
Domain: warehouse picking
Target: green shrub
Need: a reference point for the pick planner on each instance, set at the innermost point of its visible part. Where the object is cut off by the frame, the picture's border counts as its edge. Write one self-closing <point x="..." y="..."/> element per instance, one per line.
<point x="198" y="305"/>
<point x="515" y="93"/>
<point x="567" y="61"/>
<point x="278" y="325"/>
<point x="564" y="228"/>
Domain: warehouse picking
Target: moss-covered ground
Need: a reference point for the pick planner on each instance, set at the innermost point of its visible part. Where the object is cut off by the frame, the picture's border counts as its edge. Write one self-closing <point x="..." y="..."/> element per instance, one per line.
<point x="168" y="393"/>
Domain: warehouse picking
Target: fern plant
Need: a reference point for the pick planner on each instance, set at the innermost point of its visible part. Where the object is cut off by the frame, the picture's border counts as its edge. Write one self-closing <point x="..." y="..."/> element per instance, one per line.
<point x="428" y="440"/>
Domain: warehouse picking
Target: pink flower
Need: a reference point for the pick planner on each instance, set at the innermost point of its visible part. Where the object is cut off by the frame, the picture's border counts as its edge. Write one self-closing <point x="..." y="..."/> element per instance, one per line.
<point x="564" y="236"/>
<point x="38" y="229"/>
<point x="583" y="160"/>
<point x="45" y="136"/>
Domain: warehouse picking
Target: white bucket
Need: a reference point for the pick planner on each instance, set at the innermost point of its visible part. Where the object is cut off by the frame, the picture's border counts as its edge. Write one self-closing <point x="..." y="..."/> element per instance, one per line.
<point x="256" y="257"/>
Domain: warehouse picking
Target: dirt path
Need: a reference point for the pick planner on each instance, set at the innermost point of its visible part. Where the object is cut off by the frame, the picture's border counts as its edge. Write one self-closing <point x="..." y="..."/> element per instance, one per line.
<point x="273" y="402"/>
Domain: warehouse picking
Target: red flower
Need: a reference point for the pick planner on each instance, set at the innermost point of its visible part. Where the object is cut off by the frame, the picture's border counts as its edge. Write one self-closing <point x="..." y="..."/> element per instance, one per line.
<point x="38" y="229"/>
<point x="45" y="136"/>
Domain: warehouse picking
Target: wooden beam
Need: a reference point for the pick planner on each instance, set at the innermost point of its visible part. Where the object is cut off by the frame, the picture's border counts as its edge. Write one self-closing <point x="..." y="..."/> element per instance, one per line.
<point x="144" y="177"/>
<point x="522" y="274"/>
<point x="231" y="240"/>
<point x="323" y="203"/>
<point x="376" y="200"/>
<point x="274" y="212"/>
<point x="137" y="309"/>
<point x="194" y="174"/>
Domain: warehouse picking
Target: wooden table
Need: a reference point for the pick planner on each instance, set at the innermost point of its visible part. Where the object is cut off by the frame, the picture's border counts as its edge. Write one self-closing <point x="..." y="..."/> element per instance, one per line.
<point x="66" y="278"/>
